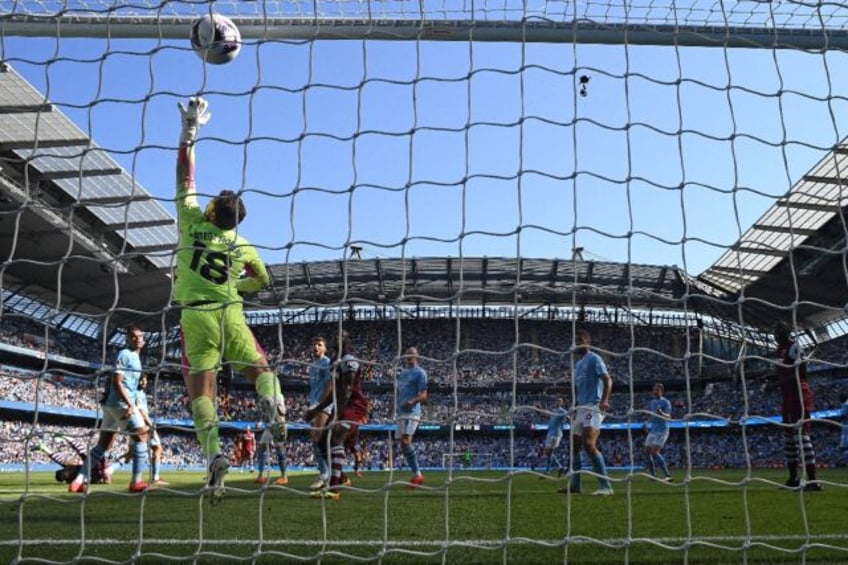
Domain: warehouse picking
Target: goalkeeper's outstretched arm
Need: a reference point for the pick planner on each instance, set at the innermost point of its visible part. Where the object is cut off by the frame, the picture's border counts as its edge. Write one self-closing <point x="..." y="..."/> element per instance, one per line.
<point x="192" y="117"/>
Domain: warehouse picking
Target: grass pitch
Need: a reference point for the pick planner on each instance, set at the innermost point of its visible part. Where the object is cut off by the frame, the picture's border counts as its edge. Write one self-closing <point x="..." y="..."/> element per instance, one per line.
<point x="474" y="517"/>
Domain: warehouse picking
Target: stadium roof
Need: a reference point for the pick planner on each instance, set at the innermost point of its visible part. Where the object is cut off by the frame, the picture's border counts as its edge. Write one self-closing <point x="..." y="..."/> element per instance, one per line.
<point x="795" y="254"/>
<point x="81" y="236"/>
<point x="72" y="222"/>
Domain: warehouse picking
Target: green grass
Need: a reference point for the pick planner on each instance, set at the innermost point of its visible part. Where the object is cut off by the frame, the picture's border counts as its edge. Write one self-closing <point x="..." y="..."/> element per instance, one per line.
<point x="481" y="517"/>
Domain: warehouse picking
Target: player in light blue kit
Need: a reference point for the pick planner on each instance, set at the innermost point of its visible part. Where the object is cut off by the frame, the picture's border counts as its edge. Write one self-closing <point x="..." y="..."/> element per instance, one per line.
<point x="154" y="444"/>
<point x="120" y="414"/>
<point x="660" y="408"/>
<point x="593" y="386"/>
<point x="411" y="391"/>
<point x="554" y="436"/>
<point x="320" y="384"/>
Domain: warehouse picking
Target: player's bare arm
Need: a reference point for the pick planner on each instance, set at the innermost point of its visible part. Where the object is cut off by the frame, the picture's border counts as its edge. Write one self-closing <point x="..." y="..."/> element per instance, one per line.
<point x="118" y="383"/>
<point x="605" y="397"/>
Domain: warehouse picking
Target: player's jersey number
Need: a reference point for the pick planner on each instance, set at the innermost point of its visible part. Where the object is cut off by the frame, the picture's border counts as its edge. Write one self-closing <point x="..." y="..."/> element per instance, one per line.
<point x="211" y="265"/>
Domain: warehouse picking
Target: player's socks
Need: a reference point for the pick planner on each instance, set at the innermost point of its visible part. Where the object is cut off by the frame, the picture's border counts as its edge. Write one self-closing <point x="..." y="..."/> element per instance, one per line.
<point x="600" y="468"/>
<point x="281" y="460"/>
<point x="651" y="467"/>
<point x="320" y="458"/>
<point x="411" y="458"/>
<point x="97" y="454"/>
<point x="555" y="461"/>
<point x="575" y="482"/>
<point x="260" y="460"/>
<point x="338" y="457"/>
<point x="155" y="468"/>
<point x="811" y="471"/>
<point x="139" y="450"/>
<point x="660" y="461"/>
<point x="206" y="425"/>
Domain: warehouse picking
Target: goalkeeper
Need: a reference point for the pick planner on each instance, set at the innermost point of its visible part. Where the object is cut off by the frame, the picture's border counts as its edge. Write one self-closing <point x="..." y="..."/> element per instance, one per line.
<point x="215" y="265"/>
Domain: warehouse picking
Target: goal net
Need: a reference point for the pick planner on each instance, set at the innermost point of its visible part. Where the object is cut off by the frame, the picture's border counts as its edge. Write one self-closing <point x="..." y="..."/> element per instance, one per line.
<point x="480" y="180"/>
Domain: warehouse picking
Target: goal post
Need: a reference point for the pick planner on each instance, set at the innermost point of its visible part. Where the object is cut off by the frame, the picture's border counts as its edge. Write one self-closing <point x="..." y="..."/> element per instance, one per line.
<point x="746" y="26"/>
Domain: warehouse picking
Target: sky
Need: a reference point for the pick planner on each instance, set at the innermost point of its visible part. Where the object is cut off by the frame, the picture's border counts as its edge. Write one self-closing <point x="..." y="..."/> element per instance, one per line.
<point x="422" y="149"/>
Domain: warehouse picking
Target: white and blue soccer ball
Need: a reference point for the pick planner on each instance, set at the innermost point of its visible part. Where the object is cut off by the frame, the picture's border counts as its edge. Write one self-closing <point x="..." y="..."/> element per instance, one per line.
<point x="215" y="39"/>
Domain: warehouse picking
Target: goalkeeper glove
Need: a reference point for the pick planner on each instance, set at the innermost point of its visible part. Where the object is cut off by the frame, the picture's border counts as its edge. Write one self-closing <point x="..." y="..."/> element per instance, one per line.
<point x="193" y="118"/>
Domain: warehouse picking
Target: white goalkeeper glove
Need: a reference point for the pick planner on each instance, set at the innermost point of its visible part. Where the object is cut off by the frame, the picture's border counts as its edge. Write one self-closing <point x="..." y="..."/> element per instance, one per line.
<point x="193" y="118"/>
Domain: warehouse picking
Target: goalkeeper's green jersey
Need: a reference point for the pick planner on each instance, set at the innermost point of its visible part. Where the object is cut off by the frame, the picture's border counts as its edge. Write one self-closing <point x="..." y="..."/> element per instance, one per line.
<point x="211" y="261"/>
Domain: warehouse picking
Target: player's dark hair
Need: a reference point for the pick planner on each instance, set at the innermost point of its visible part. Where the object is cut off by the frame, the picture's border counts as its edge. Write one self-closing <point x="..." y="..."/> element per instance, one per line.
<point x="229" y="210"/>
<point x="319" y="338"/>
<point x="346" y="342"/>
<point x="782" y="330"/>
<point x="662" y="386"/>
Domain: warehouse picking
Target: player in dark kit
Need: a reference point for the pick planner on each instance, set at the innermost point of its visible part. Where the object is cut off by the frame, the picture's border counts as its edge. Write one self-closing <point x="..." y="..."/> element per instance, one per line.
<point x="797" y="406"/>
<point x="351" y="411"/>
<point x="71" y="462"/>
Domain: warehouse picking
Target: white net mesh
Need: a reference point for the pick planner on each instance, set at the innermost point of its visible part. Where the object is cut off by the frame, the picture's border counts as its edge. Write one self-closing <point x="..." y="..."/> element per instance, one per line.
<point x="476" y="179"/>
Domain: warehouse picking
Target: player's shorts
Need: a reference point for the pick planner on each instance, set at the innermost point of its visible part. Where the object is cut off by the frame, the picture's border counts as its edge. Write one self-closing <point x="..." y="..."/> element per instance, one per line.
<point x="352" y="440"/>
<point x="327" y="409"/>
<point x="213" y="331"/>
<point x="589" y="416"/>
<point x="153" y="440"/>
<point x="656" y="439"/>
<point x="115" y="419"/>
<point x="353" y="416"/>
<point x="797" y="407"/>
<point x="406" y="425"/>
<point x="552" y="441"/>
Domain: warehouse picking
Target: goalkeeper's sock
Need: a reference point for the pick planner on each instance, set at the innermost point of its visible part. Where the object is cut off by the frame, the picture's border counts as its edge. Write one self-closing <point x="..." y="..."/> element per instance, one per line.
<point x="267" y="385"/>
<point x="206" y="425"/>
<point x="139" y="459"/>
<point x="411" y="458"/>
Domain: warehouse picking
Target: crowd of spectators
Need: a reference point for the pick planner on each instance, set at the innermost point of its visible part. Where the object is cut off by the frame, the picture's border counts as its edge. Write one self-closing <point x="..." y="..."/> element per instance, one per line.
<point x="25" y="332"/>
<point x="725" y="448"/>
<point x="466" y="360"/>
<point x="725" y="400"/>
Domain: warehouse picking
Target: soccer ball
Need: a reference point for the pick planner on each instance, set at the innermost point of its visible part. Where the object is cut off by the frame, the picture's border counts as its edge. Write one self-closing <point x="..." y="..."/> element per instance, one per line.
<point x="215" y="39"/>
